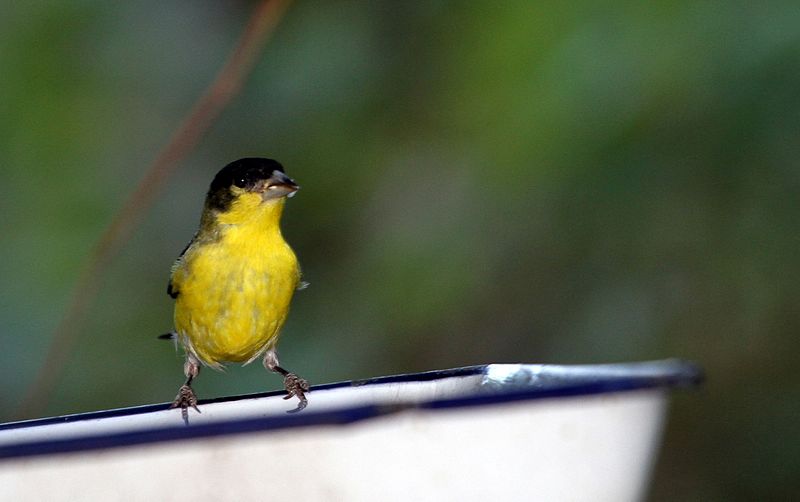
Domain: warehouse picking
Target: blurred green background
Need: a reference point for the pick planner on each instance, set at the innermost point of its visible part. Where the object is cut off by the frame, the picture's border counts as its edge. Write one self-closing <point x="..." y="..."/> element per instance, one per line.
<point x="522" y="181"/>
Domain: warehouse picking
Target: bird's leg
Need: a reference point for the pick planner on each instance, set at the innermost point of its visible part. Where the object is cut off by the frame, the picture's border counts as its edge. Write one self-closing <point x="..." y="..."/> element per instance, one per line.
<point x="294" y="385"/>
<point x="186" y="396"/>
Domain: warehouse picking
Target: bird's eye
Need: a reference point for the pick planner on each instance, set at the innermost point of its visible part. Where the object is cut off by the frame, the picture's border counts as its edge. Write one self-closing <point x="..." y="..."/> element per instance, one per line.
<point x="240" y="182"/>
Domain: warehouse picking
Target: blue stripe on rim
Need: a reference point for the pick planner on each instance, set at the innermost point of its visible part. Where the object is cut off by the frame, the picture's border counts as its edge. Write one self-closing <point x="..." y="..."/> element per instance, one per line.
<point x="556" y="382"/>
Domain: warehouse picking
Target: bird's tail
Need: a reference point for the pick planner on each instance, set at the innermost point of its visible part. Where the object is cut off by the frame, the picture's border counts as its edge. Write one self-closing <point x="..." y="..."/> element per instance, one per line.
<point x="168" y="336"/>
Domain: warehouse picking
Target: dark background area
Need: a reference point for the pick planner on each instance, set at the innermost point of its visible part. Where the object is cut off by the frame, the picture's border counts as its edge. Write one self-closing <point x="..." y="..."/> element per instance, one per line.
<point x="537" y="182"/>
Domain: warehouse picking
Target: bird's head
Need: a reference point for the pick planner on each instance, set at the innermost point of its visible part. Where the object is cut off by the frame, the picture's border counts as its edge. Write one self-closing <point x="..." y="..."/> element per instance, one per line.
<point x="254" y="180"/>
<point x="248" y="188"/>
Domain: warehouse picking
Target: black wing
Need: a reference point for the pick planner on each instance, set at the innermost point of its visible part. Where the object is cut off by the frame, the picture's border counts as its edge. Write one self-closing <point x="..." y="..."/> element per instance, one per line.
<point x="171" y="290"/>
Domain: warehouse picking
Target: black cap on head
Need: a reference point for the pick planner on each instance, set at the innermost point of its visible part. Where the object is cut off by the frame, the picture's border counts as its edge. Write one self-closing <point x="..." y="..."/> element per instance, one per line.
<point x="243" y="173"/>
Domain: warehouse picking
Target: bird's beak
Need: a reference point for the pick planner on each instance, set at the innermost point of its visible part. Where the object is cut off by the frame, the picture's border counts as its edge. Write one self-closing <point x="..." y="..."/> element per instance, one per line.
<point x="279" y="185"/>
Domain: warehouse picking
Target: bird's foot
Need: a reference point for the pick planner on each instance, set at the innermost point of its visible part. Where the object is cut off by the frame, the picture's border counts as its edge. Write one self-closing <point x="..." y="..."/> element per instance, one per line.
<point x="185" y="398"/>
<point x="296" y="386"/>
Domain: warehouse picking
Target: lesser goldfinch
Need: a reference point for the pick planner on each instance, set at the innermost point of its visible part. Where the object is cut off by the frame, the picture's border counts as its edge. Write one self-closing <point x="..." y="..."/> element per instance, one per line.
<point x="233" y="282"/>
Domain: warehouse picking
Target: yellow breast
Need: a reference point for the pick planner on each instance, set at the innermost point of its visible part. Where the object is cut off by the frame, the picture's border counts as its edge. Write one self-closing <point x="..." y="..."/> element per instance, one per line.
<point x="234" y="291"/>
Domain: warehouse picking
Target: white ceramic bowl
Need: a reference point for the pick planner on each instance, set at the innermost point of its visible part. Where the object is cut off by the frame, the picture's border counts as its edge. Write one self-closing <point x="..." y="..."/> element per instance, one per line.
<point x="495" y="432"/>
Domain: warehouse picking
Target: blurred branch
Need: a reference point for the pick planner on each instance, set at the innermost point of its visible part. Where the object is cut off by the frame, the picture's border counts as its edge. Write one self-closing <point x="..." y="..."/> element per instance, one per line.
<point x="225" y="86"/>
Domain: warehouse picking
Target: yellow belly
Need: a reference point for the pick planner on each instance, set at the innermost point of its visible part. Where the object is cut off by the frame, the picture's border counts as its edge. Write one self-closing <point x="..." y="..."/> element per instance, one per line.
<point x="234" y="296"/>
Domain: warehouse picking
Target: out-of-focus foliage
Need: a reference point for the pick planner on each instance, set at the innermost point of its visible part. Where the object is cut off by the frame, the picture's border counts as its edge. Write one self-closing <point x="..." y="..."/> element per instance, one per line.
<point x="516" y="181"/>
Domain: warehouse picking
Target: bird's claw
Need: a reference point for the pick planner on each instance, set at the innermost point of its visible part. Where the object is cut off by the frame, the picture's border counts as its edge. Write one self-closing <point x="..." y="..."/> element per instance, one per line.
<point x="185" y="398"/>
<point x="296" y="386"/>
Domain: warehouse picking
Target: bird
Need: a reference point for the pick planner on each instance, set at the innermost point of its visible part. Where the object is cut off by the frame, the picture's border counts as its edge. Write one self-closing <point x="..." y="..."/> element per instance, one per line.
<point x="233" y="283"/>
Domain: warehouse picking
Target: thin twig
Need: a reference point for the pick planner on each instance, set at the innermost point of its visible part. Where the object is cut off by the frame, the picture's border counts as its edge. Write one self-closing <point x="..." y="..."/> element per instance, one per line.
<point x="225" y="86"/>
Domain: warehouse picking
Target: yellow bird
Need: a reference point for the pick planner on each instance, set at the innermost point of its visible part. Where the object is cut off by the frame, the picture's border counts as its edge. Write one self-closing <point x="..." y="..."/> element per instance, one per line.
<point x="233" y="283"/>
